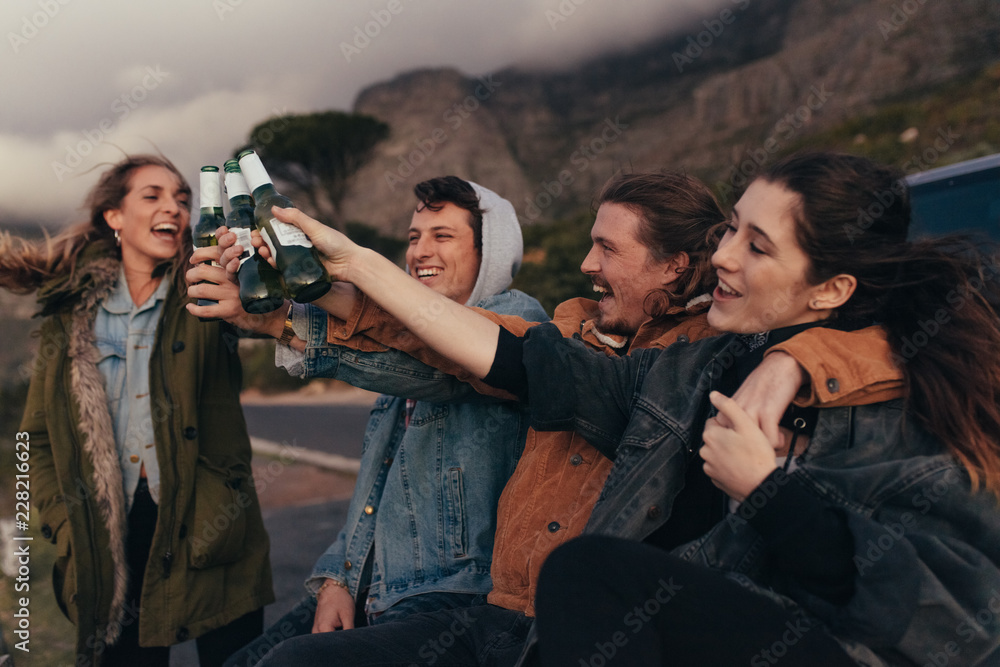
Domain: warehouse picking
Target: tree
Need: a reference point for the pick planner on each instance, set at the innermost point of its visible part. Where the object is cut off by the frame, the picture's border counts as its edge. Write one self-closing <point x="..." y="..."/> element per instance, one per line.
<point x="316" y="154"/>
<point x="552" y="256"/>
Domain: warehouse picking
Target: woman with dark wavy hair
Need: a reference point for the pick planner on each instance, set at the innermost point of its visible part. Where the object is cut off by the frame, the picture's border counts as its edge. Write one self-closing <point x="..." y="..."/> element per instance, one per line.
<point x="139" y="455"/>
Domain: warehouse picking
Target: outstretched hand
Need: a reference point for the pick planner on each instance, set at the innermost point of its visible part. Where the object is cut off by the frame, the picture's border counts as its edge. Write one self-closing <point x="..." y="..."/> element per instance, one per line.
<point x="337" y="250"/>
<point x="738" y="456"/>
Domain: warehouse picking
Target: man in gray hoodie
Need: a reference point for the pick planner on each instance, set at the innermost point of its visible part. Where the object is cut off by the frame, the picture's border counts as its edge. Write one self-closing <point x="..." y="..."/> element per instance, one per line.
<point x="421" y="523"/>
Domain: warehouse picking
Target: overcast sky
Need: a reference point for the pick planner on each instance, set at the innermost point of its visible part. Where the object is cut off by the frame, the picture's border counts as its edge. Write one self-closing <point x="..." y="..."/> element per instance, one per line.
<point x="191" y="77"/>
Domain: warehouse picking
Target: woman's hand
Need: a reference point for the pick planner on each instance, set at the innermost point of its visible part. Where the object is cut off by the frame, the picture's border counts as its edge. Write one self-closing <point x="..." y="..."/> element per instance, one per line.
<point x="738" y="456"/>
<point x="767" y="393"/>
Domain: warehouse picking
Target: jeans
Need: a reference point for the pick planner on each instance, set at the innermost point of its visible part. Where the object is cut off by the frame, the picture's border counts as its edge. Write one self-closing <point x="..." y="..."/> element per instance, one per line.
<point x="299" y="621"/>
<point x="483" y="635"/>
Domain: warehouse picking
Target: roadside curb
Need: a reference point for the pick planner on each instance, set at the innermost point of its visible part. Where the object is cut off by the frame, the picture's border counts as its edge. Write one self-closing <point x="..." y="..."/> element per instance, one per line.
<point x="293" y="454"/>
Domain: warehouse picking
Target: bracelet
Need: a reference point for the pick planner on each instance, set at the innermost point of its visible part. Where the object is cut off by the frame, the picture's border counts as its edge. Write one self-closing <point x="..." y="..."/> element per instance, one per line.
<point x="332" y="582"/>
<point x="287" y="333"/>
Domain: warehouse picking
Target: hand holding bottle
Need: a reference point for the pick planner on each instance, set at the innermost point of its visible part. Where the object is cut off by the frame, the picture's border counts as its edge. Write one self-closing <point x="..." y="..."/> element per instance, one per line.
<point x="226" y="290"/>
<point x="338" y="251"/>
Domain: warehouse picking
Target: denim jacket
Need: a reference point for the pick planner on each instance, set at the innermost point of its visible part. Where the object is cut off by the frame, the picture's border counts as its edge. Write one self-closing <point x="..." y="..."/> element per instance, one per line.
<point x="439" y="479"/>
<point x="927" y="547"/>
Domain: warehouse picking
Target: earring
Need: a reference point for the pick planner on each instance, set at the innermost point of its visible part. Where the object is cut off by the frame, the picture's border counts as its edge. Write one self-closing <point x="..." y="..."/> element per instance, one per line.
<point x="118" y="239"/>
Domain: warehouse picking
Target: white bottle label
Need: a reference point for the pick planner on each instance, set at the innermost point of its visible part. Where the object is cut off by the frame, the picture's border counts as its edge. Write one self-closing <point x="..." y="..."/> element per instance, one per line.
<point x="243" y="238"/>
<point x="289" y="234"/>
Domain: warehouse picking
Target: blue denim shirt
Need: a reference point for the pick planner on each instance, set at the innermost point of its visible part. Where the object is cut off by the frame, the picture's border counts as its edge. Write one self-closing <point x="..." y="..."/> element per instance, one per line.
<point x="927" y="547"/>
<point x="125" y="336"/>
<point x="425" y="499"/>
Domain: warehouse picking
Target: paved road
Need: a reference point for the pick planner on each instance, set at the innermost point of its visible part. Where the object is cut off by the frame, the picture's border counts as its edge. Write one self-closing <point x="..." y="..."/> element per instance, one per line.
<point x="335" y="429"/>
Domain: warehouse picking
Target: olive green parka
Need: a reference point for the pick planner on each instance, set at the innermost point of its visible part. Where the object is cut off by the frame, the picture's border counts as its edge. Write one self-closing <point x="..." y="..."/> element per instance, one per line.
<point x="209" y="560"/>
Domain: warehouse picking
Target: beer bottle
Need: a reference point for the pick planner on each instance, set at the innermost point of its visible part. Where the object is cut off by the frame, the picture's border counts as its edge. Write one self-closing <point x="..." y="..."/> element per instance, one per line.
<point x="209" y="219"/>
<point x="305" y="277"/>
<point x="261" y="289"/>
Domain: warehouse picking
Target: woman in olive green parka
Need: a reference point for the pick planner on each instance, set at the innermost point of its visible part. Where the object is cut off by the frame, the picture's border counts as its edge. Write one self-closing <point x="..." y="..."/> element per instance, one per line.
<point x="208" y="567"/>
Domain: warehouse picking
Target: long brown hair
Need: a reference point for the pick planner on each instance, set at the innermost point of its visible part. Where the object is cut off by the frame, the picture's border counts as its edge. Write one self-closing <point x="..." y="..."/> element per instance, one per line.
<point x="936" y="298"/>
<point x="25" y="266"/>
<point x="677" y="213"/>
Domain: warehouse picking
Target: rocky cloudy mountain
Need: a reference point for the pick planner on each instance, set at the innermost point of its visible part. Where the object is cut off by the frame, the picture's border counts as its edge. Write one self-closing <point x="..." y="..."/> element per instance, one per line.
<point x="746" y="80"/>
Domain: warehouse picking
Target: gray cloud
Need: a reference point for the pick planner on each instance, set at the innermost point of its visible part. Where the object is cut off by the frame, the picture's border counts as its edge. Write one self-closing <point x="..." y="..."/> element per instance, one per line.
<point x="85" y="79"/>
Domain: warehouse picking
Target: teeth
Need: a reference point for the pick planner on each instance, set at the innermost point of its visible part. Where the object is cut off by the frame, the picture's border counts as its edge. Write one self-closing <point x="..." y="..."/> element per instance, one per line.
<point x="427" y="273"/>
<point x="725" y="289"/>
<point x="601" y="290"/>
<point x="166" y="227"/>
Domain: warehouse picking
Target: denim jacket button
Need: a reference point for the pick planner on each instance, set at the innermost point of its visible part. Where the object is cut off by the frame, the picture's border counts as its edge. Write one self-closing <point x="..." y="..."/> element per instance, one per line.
<point x="369" y="510"/>
<point x="575" y="460"/>
<point x="554" y="526"/>
<point x="654" y="512"/>
<point x="833" y="385"/>
<point x="347" y="565"/>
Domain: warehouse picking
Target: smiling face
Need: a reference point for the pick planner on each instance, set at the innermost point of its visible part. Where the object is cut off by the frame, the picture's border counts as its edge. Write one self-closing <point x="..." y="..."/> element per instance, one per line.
<point x="152" y="218"/>
<point x="623" y="270"/>
<point x="761" y="267"/>
<point x="442" y="253"/>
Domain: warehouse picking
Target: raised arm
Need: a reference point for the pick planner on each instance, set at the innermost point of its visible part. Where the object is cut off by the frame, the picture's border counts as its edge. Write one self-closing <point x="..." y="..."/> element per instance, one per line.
<point x="449" y="328"/>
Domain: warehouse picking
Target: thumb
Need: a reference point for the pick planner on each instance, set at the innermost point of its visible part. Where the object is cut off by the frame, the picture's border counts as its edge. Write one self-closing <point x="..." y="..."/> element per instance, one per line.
<point x="731" y="411"/>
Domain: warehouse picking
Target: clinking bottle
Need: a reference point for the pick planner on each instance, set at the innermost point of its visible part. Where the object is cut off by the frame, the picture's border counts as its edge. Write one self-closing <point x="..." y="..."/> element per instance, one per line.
<point x="261" y="287"/>
<point x="210" y="218"/>
<point x="305" y="277"/>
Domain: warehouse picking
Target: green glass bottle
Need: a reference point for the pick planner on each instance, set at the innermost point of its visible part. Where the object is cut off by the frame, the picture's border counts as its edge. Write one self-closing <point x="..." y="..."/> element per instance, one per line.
<point x="261" y="287"/>
<point x="305" y="277"/>
<point x="210" y="218"/>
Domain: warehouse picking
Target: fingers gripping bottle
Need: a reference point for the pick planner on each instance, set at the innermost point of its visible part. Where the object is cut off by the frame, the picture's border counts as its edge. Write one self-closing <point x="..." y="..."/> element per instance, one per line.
<point x="305" y="277"/>
<point x="209" y="219"/>
<point x="261" y="287"/>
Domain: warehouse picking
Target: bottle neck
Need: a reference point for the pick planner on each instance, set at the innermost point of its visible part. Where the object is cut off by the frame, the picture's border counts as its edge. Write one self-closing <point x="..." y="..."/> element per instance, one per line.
<point x="235" y="201"/>
<point x="210" y="192"/>
<point x="236" y="185"/>
<point x="254" y="173"/>
<point x="263" y="192"/>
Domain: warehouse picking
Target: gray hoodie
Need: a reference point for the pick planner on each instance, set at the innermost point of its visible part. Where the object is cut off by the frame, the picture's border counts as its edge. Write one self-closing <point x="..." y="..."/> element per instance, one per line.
<point x="502" y="245"/>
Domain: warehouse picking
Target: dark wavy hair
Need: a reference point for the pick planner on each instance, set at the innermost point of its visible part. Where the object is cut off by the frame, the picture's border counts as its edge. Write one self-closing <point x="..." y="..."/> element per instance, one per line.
<point x="436" y="192"/>
<point x="678" y="213"/>
<point x="936" y="298"/>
